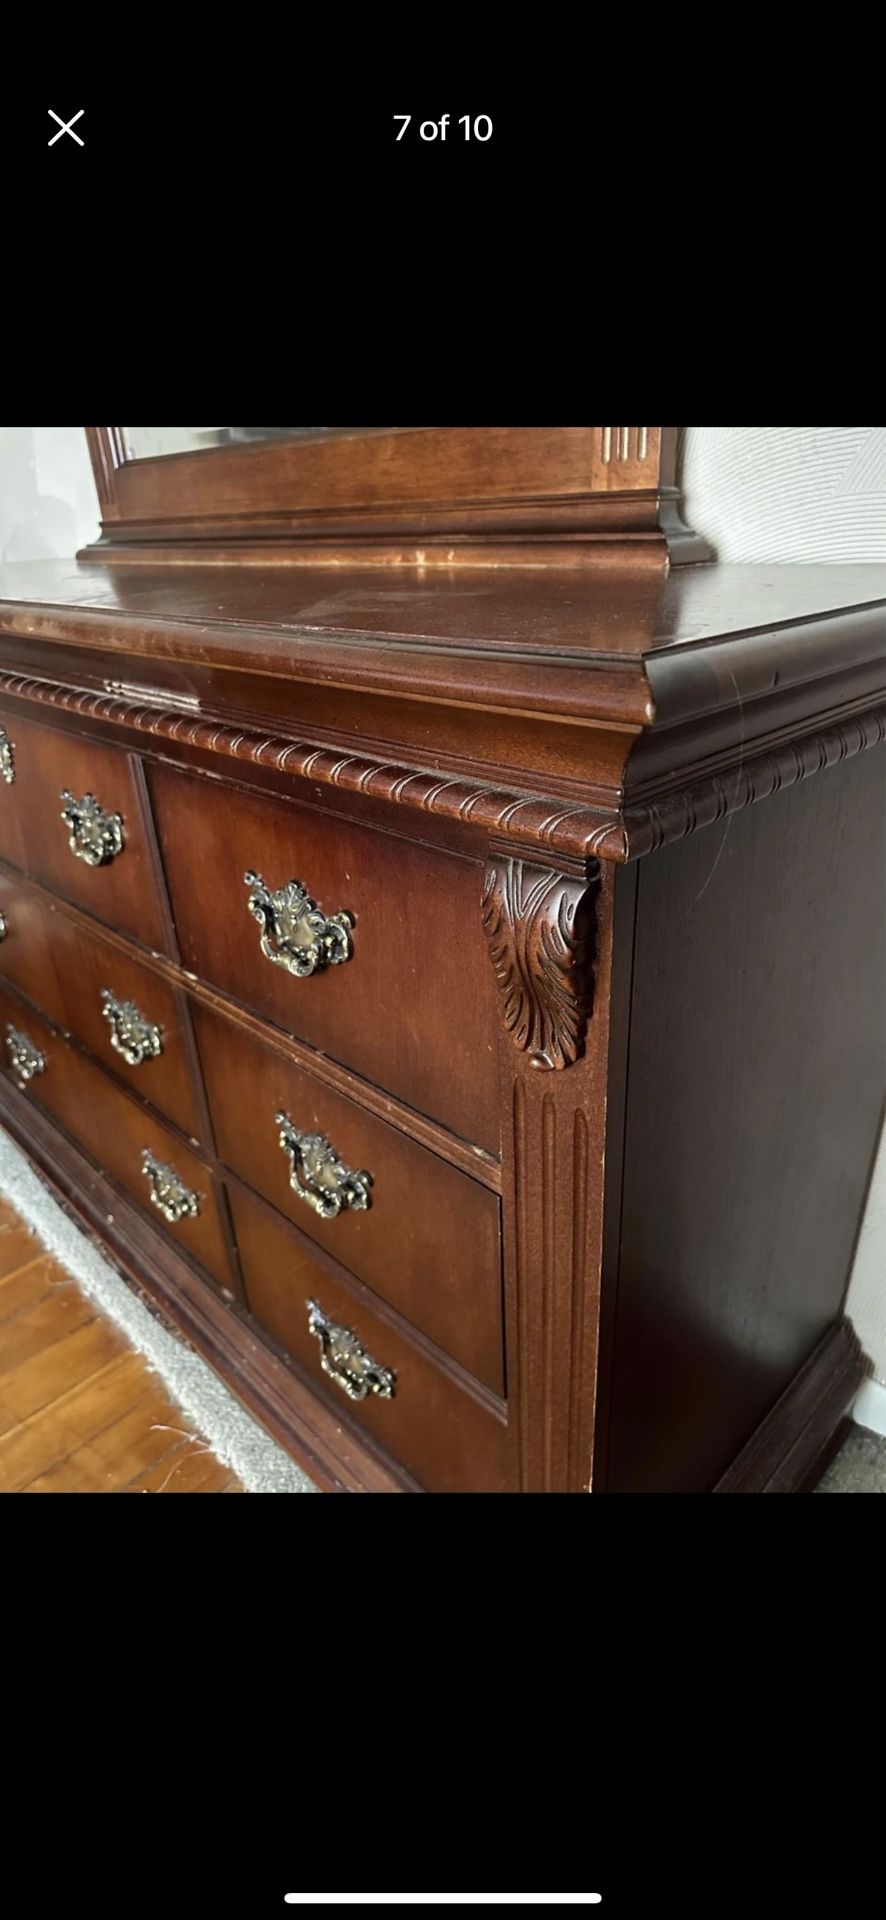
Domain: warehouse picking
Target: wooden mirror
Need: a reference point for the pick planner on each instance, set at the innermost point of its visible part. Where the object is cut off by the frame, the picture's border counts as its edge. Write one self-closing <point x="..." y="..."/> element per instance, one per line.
<point x="426" y="495"/>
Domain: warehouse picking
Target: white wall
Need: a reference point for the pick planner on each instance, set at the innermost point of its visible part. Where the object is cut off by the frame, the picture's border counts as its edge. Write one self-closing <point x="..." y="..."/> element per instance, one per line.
<point x="787" y="493"/>
<point x="757" y="493"/>
<point x="48" y="504"/>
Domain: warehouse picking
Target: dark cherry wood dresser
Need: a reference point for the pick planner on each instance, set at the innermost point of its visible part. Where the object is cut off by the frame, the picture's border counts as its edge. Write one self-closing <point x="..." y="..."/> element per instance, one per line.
<point x="442" y="950"/>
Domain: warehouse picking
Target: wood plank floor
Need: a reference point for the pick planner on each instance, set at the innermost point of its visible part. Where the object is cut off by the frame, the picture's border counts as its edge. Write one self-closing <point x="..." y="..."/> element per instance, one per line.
<point x="79" y="1410"/>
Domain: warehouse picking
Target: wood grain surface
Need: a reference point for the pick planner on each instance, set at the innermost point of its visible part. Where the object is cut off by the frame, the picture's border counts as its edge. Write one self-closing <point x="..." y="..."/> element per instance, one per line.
<point x="80" y="1412"/>
<point x="664" y="1075"/>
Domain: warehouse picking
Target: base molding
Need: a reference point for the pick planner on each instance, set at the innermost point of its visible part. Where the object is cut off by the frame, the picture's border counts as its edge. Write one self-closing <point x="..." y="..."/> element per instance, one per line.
<point x="335" y="1457"/>
<point x="791" y="1447"/>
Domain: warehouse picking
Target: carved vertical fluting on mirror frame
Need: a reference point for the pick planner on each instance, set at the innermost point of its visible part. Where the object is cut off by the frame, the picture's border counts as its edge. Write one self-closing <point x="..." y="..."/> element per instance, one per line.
<point x="553" y="1054"/>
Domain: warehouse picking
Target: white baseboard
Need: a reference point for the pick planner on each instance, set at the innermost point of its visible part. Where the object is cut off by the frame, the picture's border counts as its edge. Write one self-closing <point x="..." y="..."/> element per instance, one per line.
<point x="870" y="1407"/>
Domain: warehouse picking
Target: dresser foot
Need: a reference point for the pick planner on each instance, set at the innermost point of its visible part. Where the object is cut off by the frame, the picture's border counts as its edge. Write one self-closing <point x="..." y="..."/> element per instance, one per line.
<point x="790" y="1449"/>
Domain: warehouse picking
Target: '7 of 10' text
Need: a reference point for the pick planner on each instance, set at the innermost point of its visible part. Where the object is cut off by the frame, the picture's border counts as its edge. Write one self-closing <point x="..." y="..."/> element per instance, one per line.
<point x="478" y="127"/>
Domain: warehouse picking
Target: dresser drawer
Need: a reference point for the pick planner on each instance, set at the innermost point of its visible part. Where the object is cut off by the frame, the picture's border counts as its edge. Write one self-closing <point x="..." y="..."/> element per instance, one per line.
<point x="115" y="1132"/>
<point x="122" y="888"/>
<point x="422" y="1235"/>
<point x="448" y="1438"/>
<point x="12" y="839"/>
<point x="410" y="1008"/>
<point x="26" y="949"/>
<point x="125" y="1014"/>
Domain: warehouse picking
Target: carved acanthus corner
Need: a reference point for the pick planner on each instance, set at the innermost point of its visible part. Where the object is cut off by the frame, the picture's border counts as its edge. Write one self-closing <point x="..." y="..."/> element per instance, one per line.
<point x="539" y="926"/>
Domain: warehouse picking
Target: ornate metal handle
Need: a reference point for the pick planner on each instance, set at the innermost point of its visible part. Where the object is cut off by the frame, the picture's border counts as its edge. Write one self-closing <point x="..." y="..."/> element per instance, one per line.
<point x="131" y="1034"/>
<point x="7" y="763"/>
<point x="168" y="1192"/>
<point x="4" y="927"/>
<point x="318" y="1176"/>
<point x="345" y="1361"/>
<point x="296" y="934"/>
<point x="25" y="1059"/>
<point x="96" y="836"/>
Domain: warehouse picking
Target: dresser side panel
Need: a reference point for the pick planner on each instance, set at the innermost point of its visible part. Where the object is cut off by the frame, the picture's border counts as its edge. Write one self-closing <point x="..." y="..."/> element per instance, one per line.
<point x="755" y="1079"/>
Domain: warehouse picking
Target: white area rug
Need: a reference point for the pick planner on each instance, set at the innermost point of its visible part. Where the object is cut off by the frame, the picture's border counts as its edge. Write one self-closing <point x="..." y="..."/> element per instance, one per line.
<point x="235" y="1438"/>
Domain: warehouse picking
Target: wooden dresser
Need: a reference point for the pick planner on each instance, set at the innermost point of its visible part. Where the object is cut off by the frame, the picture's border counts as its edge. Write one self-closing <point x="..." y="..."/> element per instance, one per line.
<point x="443" y="961"/>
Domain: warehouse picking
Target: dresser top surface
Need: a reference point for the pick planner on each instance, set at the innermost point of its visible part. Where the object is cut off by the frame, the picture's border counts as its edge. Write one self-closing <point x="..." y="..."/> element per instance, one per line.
<point x="600" y="614"/>
<point x="635" y="645"/>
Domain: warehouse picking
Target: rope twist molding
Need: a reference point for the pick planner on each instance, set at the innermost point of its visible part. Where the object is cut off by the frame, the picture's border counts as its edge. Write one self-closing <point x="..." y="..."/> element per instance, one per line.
<point x="573" y="832"/>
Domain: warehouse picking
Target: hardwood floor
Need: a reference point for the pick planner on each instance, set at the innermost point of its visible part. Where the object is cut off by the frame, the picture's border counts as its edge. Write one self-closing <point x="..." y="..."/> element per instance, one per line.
<point x="79" y="1410"/>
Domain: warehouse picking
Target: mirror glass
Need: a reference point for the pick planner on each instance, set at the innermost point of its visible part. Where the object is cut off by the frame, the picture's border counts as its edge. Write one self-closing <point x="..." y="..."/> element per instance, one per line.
<point x="146" y="443"/>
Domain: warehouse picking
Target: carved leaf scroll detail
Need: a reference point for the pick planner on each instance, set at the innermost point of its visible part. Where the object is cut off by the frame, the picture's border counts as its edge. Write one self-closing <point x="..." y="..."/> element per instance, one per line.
<point x="538" y="926"/>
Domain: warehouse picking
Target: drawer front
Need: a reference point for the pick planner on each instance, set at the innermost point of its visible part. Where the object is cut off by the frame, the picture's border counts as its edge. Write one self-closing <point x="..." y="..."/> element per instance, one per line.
<point x="422" y="1235"/>
<point x="123" y="889"/>
<point x="446" y="1438"/>
<point x="69" y="972"/>
<point x="26" y="950"/>
<point x="115" y="1133"/>
<point x="12" y="840"/>
<point x="410" y="1008"/>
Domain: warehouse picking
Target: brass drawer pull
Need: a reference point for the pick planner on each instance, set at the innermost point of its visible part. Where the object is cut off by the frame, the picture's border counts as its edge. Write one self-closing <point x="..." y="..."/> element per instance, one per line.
<point x="7" y="763"/>
<point x="131" y="1034"/>
<point x="296" y="934"/>
<point x="318" y="1176"/>
<point x="25" y="1059"/>
<point x="96" y="836"/>
<point x="345" y="1361"/>
<point x="168" y="1192"/>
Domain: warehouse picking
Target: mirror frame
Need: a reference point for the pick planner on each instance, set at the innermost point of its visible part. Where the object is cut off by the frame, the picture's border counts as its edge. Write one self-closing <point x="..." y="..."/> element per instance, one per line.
<point x="374" y="488"/>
